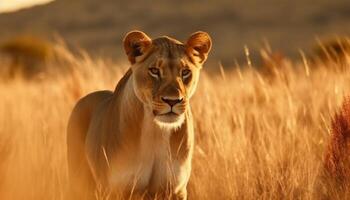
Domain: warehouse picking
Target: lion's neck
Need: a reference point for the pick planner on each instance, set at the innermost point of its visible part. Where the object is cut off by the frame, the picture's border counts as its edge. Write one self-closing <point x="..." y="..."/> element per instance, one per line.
<point x="128" y="107"/>
<point x="133" y="117"/>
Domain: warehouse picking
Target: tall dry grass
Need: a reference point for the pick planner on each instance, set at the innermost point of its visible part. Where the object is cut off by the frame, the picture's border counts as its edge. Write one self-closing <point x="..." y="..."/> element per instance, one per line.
<point x="257" y="137"/>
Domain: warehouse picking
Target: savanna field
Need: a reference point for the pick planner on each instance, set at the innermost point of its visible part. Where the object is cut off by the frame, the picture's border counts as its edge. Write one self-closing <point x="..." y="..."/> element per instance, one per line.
<point x="262" y="132"/>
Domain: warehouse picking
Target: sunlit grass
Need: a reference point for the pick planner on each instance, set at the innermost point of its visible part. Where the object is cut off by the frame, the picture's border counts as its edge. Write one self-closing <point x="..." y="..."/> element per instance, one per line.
<point x="257" y="136"/>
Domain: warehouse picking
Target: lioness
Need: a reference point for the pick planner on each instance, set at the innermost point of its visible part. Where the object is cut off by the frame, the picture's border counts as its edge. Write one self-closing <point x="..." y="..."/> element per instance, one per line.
<point x="139" y="138"/>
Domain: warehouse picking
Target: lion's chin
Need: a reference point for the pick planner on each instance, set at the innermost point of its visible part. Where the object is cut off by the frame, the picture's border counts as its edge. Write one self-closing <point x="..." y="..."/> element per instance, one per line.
<point x="169" y="121"/>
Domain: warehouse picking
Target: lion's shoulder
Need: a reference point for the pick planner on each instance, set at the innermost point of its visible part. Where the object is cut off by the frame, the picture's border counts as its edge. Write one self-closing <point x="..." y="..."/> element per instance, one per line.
<point x="85" y="107"/>
<point x="95" y="98"/>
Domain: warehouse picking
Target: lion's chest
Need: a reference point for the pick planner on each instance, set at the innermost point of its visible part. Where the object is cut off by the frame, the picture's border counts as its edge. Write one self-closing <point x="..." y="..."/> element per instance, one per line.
<point x="151" y="168"/>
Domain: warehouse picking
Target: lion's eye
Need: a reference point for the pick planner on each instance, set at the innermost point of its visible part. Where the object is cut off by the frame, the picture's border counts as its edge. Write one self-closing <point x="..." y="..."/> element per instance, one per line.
<point x="186" y="73"/>
<point x="154" y="72"/>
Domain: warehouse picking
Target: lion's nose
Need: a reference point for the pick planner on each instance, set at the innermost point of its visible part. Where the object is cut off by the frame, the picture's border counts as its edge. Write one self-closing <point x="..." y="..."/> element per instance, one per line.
<point x="171" y="102"/>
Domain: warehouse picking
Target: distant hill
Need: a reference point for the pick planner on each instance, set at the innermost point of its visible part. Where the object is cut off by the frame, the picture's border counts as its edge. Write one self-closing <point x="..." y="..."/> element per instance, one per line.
<point x="99" y="26"/>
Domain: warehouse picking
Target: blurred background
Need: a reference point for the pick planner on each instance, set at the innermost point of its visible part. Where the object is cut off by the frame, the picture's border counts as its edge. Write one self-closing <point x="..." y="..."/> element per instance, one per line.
<point x="99" y="26"/>
<point x="266" y="129"/>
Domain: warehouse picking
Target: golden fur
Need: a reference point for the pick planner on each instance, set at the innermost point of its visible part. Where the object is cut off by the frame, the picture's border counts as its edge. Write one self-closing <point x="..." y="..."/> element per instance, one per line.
<point x="139" y="138"/>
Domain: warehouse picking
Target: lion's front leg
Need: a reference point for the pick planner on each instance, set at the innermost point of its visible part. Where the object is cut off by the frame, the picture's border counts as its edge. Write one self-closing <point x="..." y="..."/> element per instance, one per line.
<point x="181" y="195"/>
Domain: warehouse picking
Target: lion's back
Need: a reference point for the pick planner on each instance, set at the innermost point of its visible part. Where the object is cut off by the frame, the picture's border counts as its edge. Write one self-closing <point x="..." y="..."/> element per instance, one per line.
<point x="84" y="108"/>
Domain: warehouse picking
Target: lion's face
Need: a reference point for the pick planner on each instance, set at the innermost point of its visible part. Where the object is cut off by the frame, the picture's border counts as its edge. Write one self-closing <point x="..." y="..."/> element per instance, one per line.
<point x="165" y="85"/>
<point x="165" y="73"/>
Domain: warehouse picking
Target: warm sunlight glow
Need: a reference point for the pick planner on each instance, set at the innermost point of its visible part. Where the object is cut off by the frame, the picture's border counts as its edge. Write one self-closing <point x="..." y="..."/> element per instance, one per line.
<point x="12" y="5"/>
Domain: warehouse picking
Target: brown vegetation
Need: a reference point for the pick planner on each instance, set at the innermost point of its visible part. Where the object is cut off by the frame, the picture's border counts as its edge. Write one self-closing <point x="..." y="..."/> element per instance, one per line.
<point x="272" y="63"/>
<point x="337" y="160"/>
<point x="335" y="50"/>
<point x="26" y="56"/>
<point x="33" y="58"/>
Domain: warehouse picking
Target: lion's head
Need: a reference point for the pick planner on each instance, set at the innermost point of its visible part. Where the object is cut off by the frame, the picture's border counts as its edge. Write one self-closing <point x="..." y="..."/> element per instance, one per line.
<point x="165" y="72"/>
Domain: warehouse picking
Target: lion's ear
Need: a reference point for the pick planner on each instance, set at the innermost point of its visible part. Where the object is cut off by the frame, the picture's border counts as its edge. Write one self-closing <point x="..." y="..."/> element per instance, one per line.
<point x="136" y="43"/>
<point x="198" y="46"/>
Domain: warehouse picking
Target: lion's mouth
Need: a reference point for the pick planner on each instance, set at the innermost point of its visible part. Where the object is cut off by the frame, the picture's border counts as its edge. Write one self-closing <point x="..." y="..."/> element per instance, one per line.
<point x="170" y="114"/>
<point x="169" y="119"/>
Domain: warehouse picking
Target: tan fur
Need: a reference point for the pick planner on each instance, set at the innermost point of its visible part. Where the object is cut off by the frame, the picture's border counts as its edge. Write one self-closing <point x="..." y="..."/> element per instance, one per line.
<point x="136" y="140"/>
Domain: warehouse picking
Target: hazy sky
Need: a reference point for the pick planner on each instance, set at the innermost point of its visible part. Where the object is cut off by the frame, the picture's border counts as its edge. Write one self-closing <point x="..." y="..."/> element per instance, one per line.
<point x="11" y="5"/>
